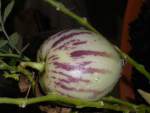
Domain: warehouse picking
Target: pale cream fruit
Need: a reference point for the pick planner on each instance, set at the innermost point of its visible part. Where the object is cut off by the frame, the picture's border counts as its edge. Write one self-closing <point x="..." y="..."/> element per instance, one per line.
<point x="79" y="64"/>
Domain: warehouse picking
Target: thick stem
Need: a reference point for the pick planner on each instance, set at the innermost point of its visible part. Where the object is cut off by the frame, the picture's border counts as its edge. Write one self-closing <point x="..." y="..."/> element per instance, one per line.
<point x="39" y="66"/>
<point x="118" y="101"/>
<point x="53" y="97"/>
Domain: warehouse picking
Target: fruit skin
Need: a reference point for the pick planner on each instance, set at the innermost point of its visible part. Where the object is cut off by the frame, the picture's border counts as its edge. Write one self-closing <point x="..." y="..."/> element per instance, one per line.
<point x="80" y="64"/>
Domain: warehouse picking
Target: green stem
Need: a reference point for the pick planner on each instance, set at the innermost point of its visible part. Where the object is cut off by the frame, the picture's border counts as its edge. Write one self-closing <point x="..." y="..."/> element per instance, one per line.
<point x="50" y="97"/>
<point x="35" y="65"/>
<point x="118" y="101"/>
<point x="53" y="97"/>
<point x="135" y="64"/>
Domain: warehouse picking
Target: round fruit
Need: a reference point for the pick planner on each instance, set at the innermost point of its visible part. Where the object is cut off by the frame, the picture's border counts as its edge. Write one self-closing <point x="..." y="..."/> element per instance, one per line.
<point x="79" y="64"/>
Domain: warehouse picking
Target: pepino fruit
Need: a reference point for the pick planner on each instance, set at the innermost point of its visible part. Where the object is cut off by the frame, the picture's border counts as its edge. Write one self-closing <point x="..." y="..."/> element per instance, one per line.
<point x="79" y="64"/>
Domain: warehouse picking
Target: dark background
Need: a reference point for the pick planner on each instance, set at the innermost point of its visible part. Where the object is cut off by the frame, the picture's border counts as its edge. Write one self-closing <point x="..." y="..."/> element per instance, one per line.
<point x="35" y="20"/>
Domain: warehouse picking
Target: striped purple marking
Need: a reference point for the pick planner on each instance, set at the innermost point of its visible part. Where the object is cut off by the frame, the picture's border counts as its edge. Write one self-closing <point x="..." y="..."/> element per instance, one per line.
<point x="80" y="67"/>
<point x="70" y="67"/>
<point x="80" y="53"/>
<point x="70" y="79"/>
<point x="64" y="37"/>
<point x="53" y="57"/>
<point x="74" y="43"/>
<point x="94" y="70"/>
<point x="80" y="42"/>
<point x="64" y="87"/>
<point x="65" y="45"/>
<point x="57" y="35"/>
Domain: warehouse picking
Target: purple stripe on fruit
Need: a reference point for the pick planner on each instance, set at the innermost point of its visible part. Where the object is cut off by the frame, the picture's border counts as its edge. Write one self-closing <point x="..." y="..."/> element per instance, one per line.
<point x="69" y="78"/>
<point x="65" y="37"/>
<point x="79" y="64"/>
<point x="80" y="67"/>
<point x="80" y="42"/>
<point x="80" y="53"/>
<point x="53" y="57"/>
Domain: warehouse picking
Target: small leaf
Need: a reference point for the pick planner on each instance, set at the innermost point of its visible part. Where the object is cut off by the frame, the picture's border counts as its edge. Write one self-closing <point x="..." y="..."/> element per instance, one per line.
<point x="3" y="43"/>
<point x="14" y="38"/>
<point x="8" y="9"/>
<point x="145" y="95"/>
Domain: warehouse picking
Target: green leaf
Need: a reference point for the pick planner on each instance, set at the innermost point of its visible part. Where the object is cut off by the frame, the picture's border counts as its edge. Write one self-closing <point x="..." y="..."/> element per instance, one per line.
<point x="7" y="10"/>
<point x="145" y="95"/>
<point x="14" y="38"/>
<point x="3" y="43"/>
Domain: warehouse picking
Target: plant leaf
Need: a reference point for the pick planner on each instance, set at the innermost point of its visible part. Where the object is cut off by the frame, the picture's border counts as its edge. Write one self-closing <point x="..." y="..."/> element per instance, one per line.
<point x="7" y="10"/>
<point x="14" y="38"/>
<point x="145" y="95"/>
<point x="3" y="43"/>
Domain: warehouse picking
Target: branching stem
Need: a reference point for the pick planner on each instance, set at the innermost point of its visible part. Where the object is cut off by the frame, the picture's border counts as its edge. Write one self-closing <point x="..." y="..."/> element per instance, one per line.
<point x="54" y="97"/>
